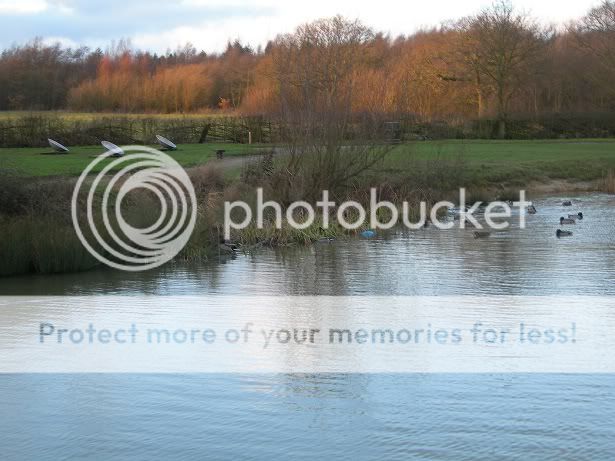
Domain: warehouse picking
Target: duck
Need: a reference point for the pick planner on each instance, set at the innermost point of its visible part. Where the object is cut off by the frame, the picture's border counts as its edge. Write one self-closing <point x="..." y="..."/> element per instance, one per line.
<point x="532" y="209"/>
<point x="567" y="203"/>
<point x="563" y="221"/>
<point x="561" y="233"/>
<point x="326" y="240"/>
<point x="228" y="247"/>
<point x="481" y="234"/>
<point x="578" y="216"/>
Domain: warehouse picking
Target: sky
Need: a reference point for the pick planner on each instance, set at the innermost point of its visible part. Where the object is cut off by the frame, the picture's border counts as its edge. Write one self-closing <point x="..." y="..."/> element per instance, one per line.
<point x="159" y="25"/>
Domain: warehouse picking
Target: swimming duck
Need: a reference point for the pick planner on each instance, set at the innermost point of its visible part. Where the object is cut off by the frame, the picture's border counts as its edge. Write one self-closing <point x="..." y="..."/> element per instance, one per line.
<point x="567" y="203"/>
<point x="227" y="246"/>
<point x="532" y="209"/>
<point x="481" y="234"/>
<point x="326" y="240"/>
<point x="563" y="221"/>
<point x="576" y="216"/>
<point x="560" y="233"/>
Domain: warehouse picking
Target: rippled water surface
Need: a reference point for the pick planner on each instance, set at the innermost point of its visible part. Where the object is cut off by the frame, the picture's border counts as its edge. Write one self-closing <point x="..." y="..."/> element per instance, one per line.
<point x="348" y="416"/>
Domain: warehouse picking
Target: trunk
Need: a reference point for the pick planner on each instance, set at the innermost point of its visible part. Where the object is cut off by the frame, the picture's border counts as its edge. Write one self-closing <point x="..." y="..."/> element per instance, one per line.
<point x="203" y="137"/>
<point x="479" y="100"/>
<point x="501" y="112"/>
<point x="501" y="128"/>
<point x="479" y="97"/>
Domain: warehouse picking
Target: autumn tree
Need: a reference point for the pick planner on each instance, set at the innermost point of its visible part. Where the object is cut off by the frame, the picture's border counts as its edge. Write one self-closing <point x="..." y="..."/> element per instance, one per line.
<point x="337" y="79"/>
<point x="316" y="70"/>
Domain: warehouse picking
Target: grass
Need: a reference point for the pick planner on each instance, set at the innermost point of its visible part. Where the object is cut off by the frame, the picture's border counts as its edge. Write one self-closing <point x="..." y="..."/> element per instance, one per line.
<point x="30" y="161"/>
<point x="514" y="162"/>
<point x="484" y="162"/>
<point x="35" y="217"/>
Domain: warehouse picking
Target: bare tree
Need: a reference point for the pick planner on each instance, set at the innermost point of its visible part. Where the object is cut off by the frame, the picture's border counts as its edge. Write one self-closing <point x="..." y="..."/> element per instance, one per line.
<point x="500" y="47"/>
<point x="595" y="33"/>
<point x="316" y="69"/>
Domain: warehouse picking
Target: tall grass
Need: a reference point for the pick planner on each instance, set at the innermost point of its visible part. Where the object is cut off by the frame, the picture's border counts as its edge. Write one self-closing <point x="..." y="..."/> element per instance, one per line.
<point x="32" y="244"/>
<point x="609" y="182"/>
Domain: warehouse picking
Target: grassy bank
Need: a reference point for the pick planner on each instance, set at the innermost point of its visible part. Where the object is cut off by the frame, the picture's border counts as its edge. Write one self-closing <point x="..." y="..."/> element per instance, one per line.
<point x="41" y="161"/>
<point x="35" y="196"/>
<point x="484" y="162"/>
<point x="515" y="163"/>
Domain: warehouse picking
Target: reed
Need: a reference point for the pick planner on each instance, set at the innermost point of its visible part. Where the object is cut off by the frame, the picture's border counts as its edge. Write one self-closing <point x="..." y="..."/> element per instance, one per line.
<point x="41" y="245"/>
<point x="609" y="182"/>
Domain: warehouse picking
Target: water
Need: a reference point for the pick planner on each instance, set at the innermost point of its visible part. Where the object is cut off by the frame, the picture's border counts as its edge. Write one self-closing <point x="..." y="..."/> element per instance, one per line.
<point x="347" y="416"/>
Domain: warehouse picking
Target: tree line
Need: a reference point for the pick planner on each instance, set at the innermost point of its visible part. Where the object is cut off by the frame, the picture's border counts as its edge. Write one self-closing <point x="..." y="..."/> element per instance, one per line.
<point x="498" y="63"/>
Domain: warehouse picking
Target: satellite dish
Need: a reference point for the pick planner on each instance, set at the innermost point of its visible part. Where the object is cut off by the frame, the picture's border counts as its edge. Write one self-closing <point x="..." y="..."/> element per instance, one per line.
<point x="164" y="142"/>
<point x="57" y="146"/>
<point x="112" y="149"/>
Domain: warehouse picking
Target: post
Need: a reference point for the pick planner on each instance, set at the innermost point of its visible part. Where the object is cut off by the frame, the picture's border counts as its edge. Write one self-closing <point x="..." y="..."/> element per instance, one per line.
<point x="249" y="137"/>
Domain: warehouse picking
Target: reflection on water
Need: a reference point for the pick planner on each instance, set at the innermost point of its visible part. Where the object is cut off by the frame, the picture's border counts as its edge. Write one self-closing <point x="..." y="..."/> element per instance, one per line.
<point x="346" y="416"/>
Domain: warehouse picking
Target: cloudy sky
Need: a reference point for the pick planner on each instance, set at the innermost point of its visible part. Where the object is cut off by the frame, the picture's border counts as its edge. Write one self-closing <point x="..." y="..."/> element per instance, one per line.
<point x="159" y="25"/>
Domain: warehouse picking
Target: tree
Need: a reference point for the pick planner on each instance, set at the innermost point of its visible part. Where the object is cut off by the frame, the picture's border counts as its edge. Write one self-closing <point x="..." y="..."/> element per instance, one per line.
<point x="500" y="46"/>
<point x="316" y="70"/>
<point x="595" y="33"/>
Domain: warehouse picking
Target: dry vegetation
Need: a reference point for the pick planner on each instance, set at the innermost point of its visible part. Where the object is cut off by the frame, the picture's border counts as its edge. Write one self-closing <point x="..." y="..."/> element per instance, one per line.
<point x="609" y="182"/>
<point x="498" y="64"/>
<point x="329" y="87"/>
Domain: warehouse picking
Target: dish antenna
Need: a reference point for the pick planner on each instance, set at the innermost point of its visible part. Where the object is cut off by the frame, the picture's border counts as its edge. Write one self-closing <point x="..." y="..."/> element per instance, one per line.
<point x="164" y="142"/>
<point x="112" y="149"/>
<point x="55" y="145"/>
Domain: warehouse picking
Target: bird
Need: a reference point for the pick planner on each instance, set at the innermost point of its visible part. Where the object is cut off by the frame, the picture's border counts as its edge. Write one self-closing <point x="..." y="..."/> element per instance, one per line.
<point x="532" y="209"/>
<point x="567" y="203"/>
<point x="326" y="240"/>
<point x="227" y="246"/>
<point x="563" y="221"/>
<point x="576" y="216"/>
<point x="560" y="233"/>
<point x="481" y="234"/>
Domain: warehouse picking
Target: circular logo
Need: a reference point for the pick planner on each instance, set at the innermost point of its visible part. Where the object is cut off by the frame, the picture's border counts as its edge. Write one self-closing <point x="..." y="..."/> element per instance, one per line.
<point x="124" y="246"/>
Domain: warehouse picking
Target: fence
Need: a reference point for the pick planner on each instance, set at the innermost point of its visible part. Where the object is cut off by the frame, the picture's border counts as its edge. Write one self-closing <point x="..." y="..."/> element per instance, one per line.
<point x="33" y="130"/>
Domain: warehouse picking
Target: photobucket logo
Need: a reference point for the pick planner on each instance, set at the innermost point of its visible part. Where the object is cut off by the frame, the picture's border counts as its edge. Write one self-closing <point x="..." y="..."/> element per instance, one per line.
<point x="351" y="215"/>
<point x="124" y="246"/>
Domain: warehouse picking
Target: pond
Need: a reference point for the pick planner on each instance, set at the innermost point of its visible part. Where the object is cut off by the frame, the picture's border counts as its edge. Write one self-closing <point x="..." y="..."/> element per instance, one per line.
<point x="349" y="416"/>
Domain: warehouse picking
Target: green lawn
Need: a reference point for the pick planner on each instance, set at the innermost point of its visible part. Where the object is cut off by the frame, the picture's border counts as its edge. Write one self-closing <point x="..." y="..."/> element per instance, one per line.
<point x="34" y="161"/>
<point x="485" y="162"/>
<point x="513" y="161"/>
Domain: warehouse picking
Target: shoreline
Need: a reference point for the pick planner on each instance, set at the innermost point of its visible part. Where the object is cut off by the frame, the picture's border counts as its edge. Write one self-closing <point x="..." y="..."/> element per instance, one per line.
<point x="555" y="186"/>
<point x="39" y="236"/>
